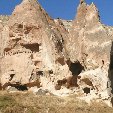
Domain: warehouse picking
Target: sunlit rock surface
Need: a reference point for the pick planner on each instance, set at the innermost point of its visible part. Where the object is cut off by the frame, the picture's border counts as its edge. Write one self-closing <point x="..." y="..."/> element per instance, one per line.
<point x="63" y="57"/>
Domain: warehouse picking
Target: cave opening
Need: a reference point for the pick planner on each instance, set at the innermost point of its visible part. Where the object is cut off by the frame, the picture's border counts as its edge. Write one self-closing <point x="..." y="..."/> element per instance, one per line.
<point x="86" y="90"/>
<point x="20" y="26"/>
<point x="17" y="86"/>
<point x="33" y="47"/>
<point x="21" y="87"/>
<point x="40" y="73"/>
<point x="75" y="68"/>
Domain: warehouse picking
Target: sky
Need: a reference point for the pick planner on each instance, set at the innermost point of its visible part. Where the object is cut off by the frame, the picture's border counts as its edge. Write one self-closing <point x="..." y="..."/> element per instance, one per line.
<point x="65" y="9"/>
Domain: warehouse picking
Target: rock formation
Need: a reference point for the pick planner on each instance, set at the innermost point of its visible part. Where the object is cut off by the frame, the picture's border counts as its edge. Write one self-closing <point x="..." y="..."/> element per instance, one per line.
<point x="63" y="57"/>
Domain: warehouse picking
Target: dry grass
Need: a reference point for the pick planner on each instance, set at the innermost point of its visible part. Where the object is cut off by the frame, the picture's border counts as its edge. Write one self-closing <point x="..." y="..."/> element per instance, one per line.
<point x="30" y="103"/>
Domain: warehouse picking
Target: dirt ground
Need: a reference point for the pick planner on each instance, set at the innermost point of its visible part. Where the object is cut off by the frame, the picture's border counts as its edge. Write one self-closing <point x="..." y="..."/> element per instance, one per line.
<point x="30" y="103"/>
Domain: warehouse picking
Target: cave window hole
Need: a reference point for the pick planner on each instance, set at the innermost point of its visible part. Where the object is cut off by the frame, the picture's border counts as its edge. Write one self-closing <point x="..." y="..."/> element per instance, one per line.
<point x="76" y="68"/>
<point x="39" y="73"/>
<point x="86" y="90"/>
<point x="19" y="87"/>
<point x="33" y="47"/>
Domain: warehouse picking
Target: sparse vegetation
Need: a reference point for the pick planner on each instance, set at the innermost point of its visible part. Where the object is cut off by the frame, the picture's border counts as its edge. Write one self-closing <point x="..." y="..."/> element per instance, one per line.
<point x="30" y="103"/>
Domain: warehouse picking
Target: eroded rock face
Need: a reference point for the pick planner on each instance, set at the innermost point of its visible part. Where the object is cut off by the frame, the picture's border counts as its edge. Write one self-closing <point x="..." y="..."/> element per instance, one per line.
<point x="32" y="47"/>
<point x="61" y="56"/>
<point x="91" y="43"/>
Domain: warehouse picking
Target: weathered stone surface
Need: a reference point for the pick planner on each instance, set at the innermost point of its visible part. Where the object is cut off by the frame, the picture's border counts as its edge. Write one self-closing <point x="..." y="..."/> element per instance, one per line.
<point x="90" y="42"/>
<point x="32" y="43"/>
<point x="64" y="57"/>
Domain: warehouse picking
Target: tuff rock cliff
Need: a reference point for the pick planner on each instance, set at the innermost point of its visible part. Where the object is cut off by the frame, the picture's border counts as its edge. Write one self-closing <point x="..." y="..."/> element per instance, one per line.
<point x="63" y="57"/>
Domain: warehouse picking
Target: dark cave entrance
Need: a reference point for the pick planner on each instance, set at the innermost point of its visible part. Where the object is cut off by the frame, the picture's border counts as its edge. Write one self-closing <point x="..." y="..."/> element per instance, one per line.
<point x="21" y="87"/>
<point x="40" y="73"/>
<point x="17" y="86"/>
<point x="110" y="71"/>
<point x="86" y="90"/>
<point x="76" y="68"/>
<point x="33" y="47"/>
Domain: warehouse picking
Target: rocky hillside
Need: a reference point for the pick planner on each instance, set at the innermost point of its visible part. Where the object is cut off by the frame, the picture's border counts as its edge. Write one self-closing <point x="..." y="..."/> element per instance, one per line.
<point x="58" y="56"/>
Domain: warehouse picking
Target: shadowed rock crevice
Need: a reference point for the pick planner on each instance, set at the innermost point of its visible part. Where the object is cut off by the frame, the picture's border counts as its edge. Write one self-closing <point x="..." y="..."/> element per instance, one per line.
<point x="19" y="87"/>
<point x="76" y="68"/>
<point x="33" y="47"/>
<point x="86" y="90"/>
<point x="110" y="71"/>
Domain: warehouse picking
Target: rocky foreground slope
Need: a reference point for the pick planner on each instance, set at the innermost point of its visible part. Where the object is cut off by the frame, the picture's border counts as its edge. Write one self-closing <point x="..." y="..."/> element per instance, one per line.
<point x="63" y="57"/>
